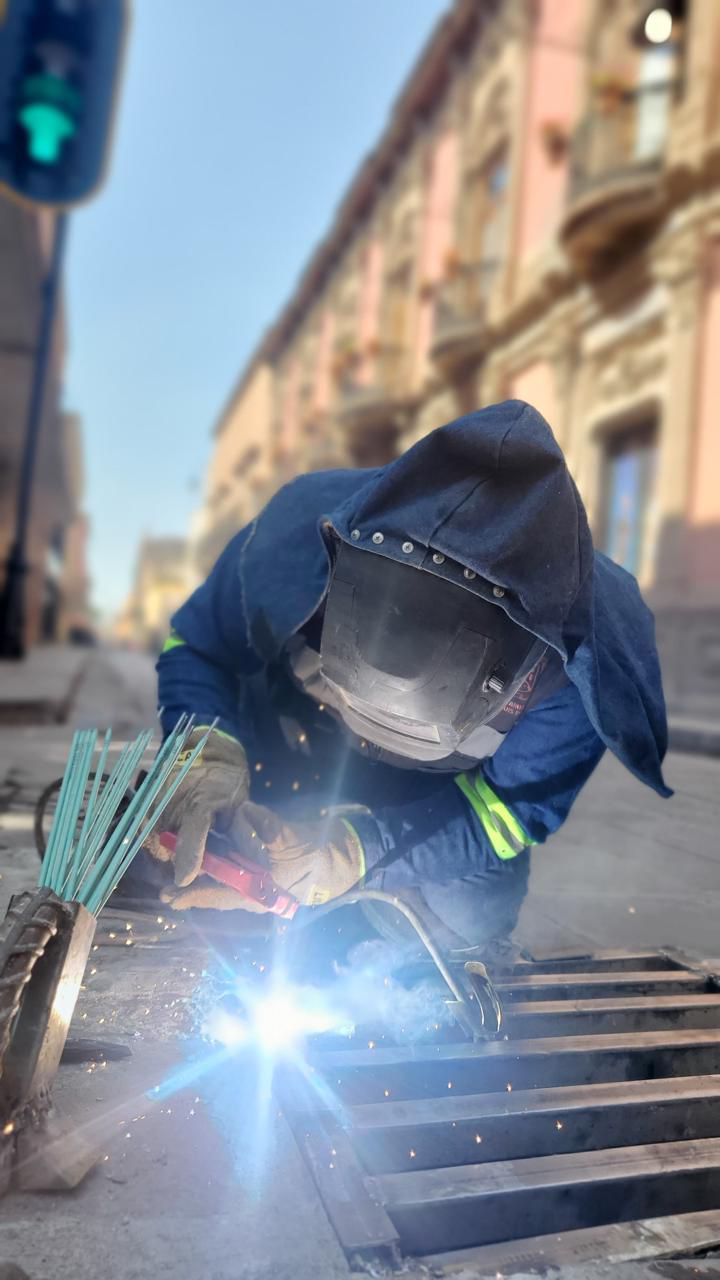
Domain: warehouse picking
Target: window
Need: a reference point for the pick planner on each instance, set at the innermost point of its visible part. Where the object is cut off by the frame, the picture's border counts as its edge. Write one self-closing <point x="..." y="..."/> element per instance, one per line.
<point x="628" y="485"/>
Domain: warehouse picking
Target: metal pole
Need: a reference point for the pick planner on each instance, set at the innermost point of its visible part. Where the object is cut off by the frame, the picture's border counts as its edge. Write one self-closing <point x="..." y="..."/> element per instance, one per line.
<point x="12" y="600"/>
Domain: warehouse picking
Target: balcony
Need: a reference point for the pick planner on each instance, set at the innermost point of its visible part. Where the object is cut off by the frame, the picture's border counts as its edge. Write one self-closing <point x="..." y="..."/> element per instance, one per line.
<point x="460" y="325"/>
<point x="372" y="413"/>
<point x="616" y="187"/>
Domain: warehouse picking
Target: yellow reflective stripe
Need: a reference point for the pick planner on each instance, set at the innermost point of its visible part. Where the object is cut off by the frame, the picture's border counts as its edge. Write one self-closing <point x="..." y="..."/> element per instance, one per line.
<point x="359" y="847"/>
<point x="499" y="822"/>
<point x="173" y="642"/>
<point x="220" y="732"/>
<point x="501" y="811"/>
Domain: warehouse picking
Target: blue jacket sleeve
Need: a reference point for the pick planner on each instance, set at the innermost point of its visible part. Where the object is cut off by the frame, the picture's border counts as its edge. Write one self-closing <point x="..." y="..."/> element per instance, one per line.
<point x="516" y="798"/>
<point x="209" y="652"/>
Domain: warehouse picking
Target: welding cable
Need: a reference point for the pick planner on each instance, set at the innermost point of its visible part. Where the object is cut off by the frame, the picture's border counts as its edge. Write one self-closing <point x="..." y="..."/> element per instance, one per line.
<point x="357" y="897"/>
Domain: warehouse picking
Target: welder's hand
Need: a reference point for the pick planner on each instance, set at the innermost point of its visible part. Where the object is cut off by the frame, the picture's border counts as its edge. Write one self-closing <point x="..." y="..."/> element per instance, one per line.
<point x="206" y="893"/>
<point x="210" y="794"/>
<point x="315" y="861"/>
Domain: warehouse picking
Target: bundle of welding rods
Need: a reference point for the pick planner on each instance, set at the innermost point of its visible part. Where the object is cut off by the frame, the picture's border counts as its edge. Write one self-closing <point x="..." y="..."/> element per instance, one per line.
<point x="100" y="823"/>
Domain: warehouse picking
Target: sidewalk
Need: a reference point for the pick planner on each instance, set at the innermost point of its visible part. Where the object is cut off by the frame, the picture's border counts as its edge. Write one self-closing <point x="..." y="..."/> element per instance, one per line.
<point x="694" y="733"/>
<point x="40" y="688"/>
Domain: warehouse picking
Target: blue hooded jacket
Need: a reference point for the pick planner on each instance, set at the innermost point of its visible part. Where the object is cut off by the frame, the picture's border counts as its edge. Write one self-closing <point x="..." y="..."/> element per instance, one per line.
<point x="492" y="493"/>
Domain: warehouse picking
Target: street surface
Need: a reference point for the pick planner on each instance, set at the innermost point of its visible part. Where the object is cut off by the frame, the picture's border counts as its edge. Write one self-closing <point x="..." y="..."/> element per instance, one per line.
<point x="185" y="1187"/>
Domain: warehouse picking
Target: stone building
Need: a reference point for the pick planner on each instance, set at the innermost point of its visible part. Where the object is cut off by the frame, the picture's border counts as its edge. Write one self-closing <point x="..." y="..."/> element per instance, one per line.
<point x="56" y="521"/>
<point x="160" y="585"/>
<point x="540" y="219"/>
<point x="75" y="622"/>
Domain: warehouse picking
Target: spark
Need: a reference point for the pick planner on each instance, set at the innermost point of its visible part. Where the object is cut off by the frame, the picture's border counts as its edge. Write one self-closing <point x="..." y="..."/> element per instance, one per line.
<point x="478" y="1138"/>
<point x="8" y="1128"/>
<point x="558" y="1124"/>
<point x="508" y="1086"/>
<point x="258" y="767"/>
<point x="632" y="911"/>
<point x="412" y="1154"/>
<point x="296" y="786"/>
<point x="450" y="1084"/>
<point x="387" y="1093"/>
<point x="371" y="1044"/>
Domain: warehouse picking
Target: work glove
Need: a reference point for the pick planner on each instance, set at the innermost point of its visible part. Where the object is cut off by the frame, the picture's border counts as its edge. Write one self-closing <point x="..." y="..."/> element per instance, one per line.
<point x="210" y="795"/>
<point x="314" y="861"/>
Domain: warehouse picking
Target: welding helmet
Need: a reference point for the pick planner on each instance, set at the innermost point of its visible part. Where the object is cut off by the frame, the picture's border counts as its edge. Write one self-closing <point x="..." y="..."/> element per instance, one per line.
<point x="415" y="662"/>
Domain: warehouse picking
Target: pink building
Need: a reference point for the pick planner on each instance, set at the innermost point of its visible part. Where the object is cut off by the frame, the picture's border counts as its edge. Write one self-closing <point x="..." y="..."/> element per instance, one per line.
<point x="538" y="219"/>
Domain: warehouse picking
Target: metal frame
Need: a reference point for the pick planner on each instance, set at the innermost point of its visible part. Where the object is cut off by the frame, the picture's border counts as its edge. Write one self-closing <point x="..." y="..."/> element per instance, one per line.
<point x="597" y="1114"/>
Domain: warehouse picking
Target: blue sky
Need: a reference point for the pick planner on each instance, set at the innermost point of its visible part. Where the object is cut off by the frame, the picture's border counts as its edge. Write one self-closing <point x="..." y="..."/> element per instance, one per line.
<point x="240" y="123"/>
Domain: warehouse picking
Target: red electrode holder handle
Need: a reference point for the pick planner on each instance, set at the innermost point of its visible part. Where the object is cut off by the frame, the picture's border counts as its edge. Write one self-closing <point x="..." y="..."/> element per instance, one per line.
<point x="247" y="878"/>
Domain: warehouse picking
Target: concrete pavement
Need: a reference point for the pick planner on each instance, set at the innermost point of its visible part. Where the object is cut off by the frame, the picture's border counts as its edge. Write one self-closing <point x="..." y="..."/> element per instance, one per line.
<point x="194" y="1185"/>
<point x="41" y="688"/>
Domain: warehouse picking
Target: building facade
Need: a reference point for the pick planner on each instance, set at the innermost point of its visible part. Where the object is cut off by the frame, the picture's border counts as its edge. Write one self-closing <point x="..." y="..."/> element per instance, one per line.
<point x="161" y="583"/>
<point x="55" y="551"/>
<point x="540" y="219"/>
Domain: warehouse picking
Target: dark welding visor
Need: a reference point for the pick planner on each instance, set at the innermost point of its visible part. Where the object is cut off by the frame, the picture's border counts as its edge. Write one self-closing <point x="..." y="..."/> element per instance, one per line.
<point x="416" y="662"/>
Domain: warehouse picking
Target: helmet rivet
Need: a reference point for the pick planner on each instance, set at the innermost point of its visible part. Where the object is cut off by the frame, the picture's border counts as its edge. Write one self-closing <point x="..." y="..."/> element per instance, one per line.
<point x="438" y="558"/>
<point x="355" y="535"/>
<point x="499" y="592"/>
<point x="408" y="547"/>
<point x="378" y="538"/>
<point x="469" y="574"/>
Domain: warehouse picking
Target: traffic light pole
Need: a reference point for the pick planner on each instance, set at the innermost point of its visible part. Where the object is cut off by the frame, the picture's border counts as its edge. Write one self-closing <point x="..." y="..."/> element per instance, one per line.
<point x="12" y="600"/>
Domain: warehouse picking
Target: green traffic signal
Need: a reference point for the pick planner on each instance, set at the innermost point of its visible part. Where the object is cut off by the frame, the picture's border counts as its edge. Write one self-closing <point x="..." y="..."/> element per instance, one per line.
<point x="48" y="127"/>
<point x="59" y="70"/>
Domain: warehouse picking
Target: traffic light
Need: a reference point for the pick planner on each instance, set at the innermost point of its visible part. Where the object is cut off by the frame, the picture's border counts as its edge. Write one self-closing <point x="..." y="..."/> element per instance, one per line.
<point x="59" y="68"/>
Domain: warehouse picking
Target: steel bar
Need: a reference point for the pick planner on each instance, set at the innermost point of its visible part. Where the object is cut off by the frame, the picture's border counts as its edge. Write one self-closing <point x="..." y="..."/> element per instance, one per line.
<point x="394" y="1136"/>
<point x="686" y="1233"/>
<point x="600" y="962"/>
<point x="553" y="986"/>
<point x="623" y="1013"/>
<point x="478" y="1204"/>
<point x="429" y="1071"/>
<point x="358" y="1218"/>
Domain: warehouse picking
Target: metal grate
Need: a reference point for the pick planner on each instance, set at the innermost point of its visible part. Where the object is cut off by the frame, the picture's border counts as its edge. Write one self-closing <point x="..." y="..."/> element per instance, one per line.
<point x="595" y="1116"/>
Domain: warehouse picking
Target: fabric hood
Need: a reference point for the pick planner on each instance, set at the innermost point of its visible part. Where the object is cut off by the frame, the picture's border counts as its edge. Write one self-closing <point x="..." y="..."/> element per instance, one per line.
<point x="492" y="495"/>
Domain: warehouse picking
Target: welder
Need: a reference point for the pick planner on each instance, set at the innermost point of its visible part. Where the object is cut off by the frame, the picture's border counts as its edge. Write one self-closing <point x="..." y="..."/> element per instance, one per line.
<point x="413" y="670"/>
